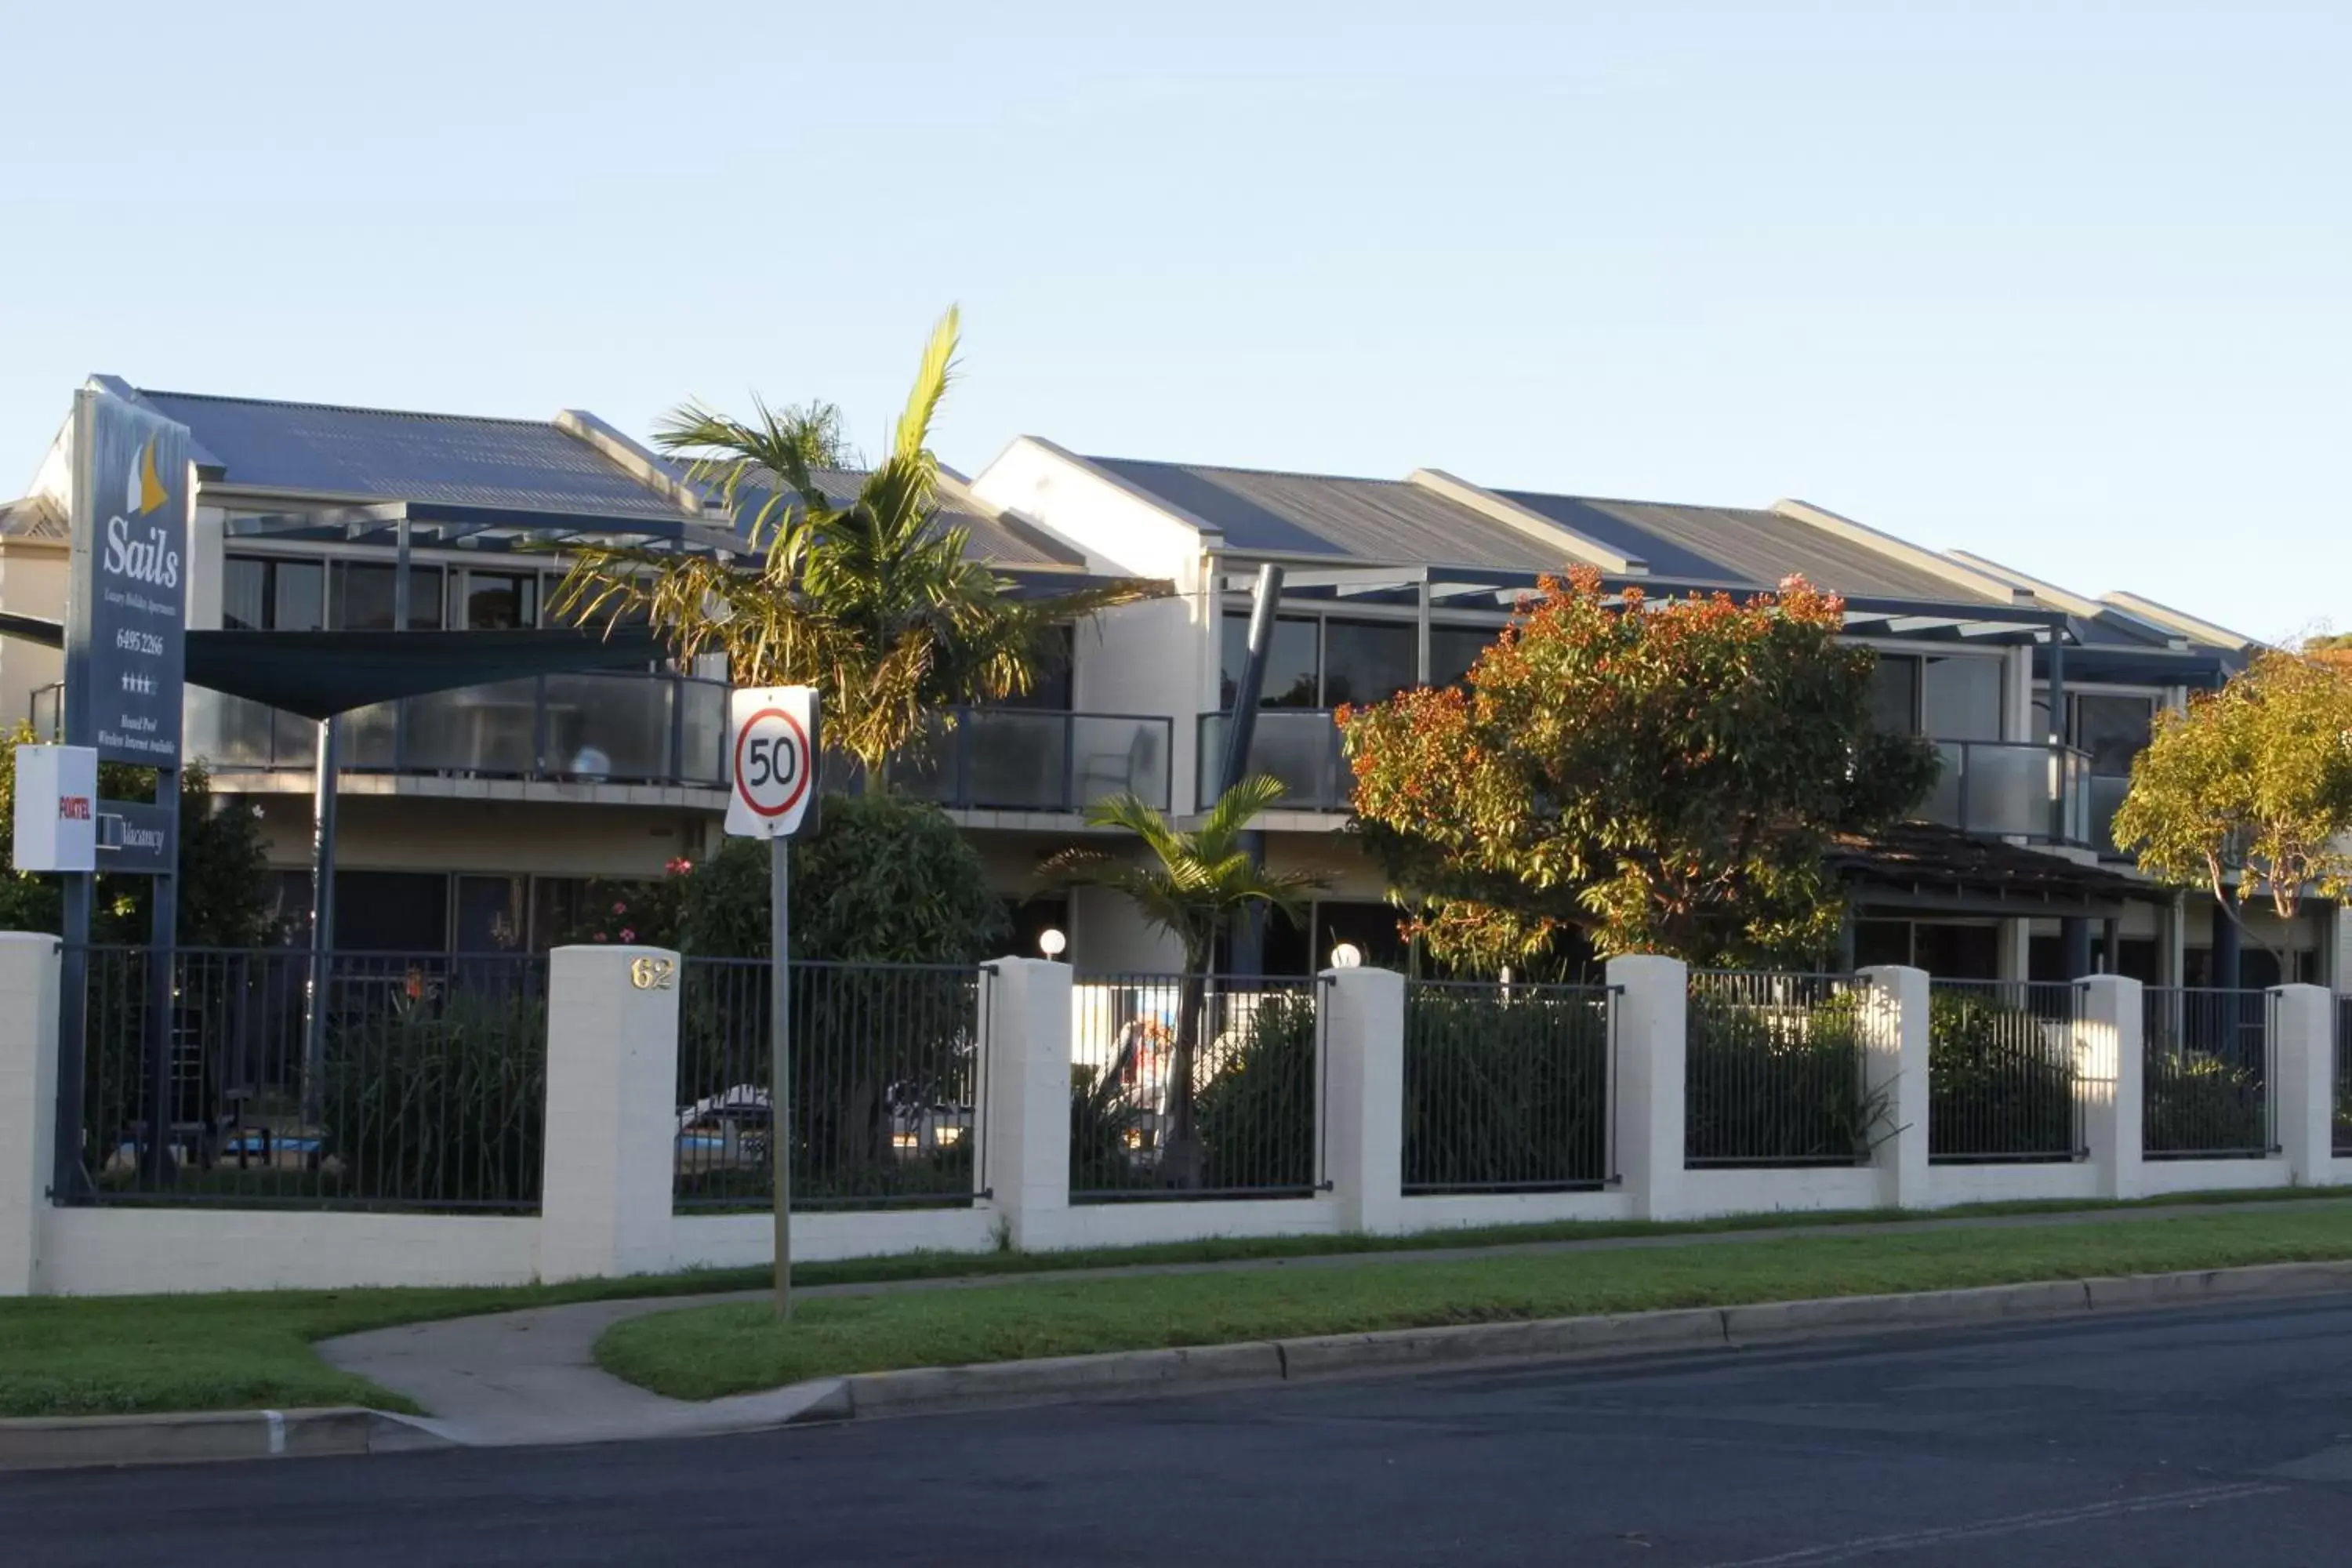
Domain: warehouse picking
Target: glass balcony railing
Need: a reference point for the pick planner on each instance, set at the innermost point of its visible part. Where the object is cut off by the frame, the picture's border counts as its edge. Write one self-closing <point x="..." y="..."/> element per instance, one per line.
<point x="1023" y="759"/>
<point x="588" y="728"/>
<point x="2012" y="790"/>
<point x="1300" y="746"/>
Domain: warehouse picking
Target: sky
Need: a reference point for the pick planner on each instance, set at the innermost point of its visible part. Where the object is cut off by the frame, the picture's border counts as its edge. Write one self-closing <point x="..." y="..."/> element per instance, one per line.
<point x="2067" y="284"/>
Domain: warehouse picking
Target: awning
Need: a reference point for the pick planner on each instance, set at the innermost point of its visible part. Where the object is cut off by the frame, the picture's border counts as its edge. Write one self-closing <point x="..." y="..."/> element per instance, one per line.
<point x="1919" y="867"/>
<point x="321" y="674"/>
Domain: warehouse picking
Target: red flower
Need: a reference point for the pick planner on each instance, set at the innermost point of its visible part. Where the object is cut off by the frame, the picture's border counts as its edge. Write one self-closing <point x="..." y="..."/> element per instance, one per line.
<point x="628" y="935"/>
<point x="620" y="908"/>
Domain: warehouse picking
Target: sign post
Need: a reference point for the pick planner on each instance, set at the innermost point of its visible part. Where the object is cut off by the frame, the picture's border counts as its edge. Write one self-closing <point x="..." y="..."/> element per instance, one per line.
<point x="126" y="662"/>
<point x="772" y="747"/>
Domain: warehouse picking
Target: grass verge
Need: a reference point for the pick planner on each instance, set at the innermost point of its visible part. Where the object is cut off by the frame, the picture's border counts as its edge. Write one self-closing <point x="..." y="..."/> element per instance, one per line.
<point x="245" y="1350"/>
<point x="706" y="1352"/>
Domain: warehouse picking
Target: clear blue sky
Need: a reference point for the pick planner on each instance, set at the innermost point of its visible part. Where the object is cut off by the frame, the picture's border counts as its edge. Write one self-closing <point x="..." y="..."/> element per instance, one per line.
<point x="2069" y="284"/>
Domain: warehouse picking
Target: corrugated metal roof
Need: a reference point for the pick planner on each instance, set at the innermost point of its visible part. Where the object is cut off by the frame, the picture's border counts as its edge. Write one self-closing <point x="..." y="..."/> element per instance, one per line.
<point x="1390" y="522"/>
<point x="393" y="456"/>
<point x="1742" y="546"/>
<point x="1000" y="540"/>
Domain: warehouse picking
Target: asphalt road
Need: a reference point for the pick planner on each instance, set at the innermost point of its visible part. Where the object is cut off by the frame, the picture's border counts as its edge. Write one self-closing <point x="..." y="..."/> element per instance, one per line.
<point x="2220" y="1436"/>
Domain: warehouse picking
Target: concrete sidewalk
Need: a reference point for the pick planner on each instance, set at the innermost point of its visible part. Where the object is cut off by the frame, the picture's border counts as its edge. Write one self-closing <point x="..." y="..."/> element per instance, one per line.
<point x="531" y="1377"/>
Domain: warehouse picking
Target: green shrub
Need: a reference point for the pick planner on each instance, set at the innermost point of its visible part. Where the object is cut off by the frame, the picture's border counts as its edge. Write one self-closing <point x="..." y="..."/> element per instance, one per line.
<point x="1996" y="1085"/>
<point x="440" y="1098"/>
<point x="1256" y="1109"/>
<point x="1505" y="1090"/>
<point x="1107" y="1127"/>
<point x="2197" y="1104"/>
<point x="1771" y="1083"/>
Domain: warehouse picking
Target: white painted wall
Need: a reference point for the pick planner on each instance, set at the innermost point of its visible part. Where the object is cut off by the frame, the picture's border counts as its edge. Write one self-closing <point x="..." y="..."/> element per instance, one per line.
<point x="134" y="1251"/>
<point x="33" y="575"/>
<point x="1152" y="658"/>
<point x="1121" y="529"/>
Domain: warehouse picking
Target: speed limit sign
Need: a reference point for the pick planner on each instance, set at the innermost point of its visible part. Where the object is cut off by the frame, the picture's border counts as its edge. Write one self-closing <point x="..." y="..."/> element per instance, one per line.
<point x="772" y="748"/>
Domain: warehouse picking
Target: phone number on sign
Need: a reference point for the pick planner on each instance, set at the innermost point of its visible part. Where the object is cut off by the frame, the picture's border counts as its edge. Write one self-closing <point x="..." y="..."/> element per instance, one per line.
<point x="139" y="642"/>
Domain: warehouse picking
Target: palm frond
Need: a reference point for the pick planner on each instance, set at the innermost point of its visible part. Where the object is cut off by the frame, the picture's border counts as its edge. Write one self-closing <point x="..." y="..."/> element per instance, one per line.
<point x="1231" y="816"/>
<point x="912" y="440"/>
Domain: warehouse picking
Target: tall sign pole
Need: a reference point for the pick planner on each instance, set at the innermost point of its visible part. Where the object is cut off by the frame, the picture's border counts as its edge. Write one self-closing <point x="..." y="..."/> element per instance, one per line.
<point x="774" y="750"/>
<point x="126" y="662"/>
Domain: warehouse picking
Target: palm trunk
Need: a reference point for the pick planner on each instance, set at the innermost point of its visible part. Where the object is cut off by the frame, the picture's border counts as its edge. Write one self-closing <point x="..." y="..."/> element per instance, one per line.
<point x="1181" y="1160"/>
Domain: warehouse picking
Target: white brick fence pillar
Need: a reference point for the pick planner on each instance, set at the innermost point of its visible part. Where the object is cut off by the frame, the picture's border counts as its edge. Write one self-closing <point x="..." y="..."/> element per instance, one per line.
<point x="2303" y="1054"/>
<point x="1024" y="1128"/>
<point x="2110" y="1064"/>
<point x="29" y="1103"/>
<point x="1363" y="1066"/>
<point x="611" y="1112"/>
<point x="1895" y="1067"/>
<point x="1653" y="1008"/>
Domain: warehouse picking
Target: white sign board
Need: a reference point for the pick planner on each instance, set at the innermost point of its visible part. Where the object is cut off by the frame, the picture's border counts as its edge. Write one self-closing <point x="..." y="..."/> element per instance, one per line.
<point x="772" y="748"/>
<point x="57" y="808"/>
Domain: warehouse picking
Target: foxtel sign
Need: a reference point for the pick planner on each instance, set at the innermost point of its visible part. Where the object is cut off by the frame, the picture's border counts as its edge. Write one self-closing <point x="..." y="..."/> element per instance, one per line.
<point x="126" y="625"/>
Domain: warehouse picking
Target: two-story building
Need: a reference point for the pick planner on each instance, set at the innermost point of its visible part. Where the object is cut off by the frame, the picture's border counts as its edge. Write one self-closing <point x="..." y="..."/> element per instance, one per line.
<point x="475" y="820"/>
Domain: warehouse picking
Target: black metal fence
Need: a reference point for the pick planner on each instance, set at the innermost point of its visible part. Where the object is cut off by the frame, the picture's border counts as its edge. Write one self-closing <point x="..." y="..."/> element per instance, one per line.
<point x="2343" y="1141"/>
<point x="2208" y="1089"/>
<point x="1775" y="1071"/>
<point x="1185" y="1088"/>
<point x="1509" y="1088"/>
<point x="2000" y="1072"/>
<point x="422" y="1084"/>
<point x="885" y="1094"/>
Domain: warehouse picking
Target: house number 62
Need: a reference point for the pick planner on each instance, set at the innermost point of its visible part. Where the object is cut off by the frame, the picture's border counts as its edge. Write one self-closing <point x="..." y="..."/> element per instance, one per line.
<point x="652" y="973"/>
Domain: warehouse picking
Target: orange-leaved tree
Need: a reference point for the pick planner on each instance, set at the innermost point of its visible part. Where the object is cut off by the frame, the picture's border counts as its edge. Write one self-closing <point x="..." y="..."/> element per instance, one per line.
<point x="1664" y="778"/>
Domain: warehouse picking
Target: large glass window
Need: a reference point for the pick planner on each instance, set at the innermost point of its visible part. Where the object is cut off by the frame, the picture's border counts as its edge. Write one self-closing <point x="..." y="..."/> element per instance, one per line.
<point x="391" y="911"/>
<point x="1292" y="667"/>
<point x="489" y="914"/>
<point x="260" y="594"/>
<point x="1895" y="694"/>
<point x="1453" y="649"/>
<point x="1960" y="699"/>
<point x="1368" y="661"/>
<point x="2114" y="729"/>
<point x="366" y="592"/>
<point x="498" y="601"/>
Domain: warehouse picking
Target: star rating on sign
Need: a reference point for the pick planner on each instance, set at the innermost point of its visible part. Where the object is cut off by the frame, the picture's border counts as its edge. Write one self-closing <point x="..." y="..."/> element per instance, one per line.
<point x="139" y="685"/>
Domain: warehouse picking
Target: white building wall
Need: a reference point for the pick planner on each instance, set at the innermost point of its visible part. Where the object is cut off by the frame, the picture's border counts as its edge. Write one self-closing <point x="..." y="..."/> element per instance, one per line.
<point x="1120" y="531"/>
<point x="33" y="576"/>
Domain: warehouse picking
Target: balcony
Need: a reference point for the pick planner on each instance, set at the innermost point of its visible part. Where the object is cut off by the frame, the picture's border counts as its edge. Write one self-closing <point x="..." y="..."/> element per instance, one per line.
<point x="1300" y="746"/>
<point x="581" y="728"/>
<point x="2009" y="789"/>
<point x="1022" y="758"/>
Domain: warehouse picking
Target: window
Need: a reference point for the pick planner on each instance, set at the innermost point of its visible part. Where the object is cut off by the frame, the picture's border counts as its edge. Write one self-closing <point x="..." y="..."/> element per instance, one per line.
<point x="1960" y="699"/>
<point x="365" y="594"/>
<point x="489" y="914"/>
<point x="1292" y="669"/>
<point x="262" y="595"/>
<point x="391" y="911"/>
<point x="1054" y="691"/>
<point x="499" y="602"/>
<point x="1453" y="649"/>
<point x="1368" y="661"/>
<point x="559" y="907"/>
<point x="1895" y="694"/>
<point x="2113" y="729"/>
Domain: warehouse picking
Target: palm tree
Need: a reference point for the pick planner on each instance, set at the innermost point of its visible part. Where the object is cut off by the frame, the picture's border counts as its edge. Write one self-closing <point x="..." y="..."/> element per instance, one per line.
<point x="869" y="599"/>
<point x="1193" y="886"/>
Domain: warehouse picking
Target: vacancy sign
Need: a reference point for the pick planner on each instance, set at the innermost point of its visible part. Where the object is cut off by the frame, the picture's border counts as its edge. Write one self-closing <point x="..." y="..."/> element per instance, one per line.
<point x="772" y="747"/>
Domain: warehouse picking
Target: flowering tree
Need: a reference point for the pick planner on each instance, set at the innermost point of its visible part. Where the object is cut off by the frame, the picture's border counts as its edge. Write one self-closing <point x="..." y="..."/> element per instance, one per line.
<point x="2256" y="779"/>
<point x="1665" y="778"/>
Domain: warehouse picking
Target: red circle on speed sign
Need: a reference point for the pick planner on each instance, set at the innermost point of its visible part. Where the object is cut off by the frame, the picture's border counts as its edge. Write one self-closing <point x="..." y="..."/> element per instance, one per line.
<point x="802" y="775"/>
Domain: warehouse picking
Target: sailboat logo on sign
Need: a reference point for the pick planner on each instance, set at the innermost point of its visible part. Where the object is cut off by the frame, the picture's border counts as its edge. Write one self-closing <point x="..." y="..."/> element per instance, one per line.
<point x="145" y="492"/>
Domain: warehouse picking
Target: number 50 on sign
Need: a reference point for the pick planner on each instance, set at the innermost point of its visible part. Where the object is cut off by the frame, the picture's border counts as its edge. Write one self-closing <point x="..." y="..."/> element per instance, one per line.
<point x="772" y="750"/>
